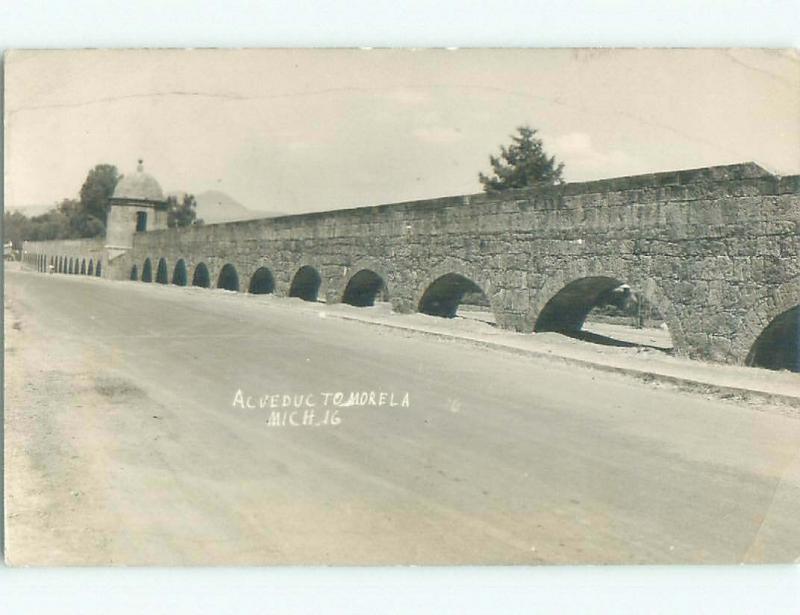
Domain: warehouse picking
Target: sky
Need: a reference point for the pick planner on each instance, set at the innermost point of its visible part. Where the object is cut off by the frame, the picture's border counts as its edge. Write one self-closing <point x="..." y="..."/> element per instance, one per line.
<point x="310" y="130"/>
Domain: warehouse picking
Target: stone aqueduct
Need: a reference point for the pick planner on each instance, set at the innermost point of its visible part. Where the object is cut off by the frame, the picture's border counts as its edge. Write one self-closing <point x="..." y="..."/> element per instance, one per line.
<point x="716" y="250"/>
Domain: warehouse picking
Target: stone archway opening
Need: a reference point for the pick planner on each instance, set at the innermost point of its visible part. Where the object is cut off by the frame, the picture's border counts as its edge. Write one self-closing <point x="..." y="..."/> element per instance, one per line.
<point x="228" y="278"/>
<point x="90" y="268"/>
<point x="147" y="271"/>
<point x="162" y="277"/>
<point x="179" y="275"/>
<point x="262" y="282"/>
<point x="778" y="346"/>
<point x="99" y="269"/>
<point x="134" y="273"/>
<point x="305" y="284"/>
<point x="83" y="267"/>
<point x="201" y="276"/>
<point x="364" y="288"/>
<point x="606" y="311"/>
<point x="453" y="295"/>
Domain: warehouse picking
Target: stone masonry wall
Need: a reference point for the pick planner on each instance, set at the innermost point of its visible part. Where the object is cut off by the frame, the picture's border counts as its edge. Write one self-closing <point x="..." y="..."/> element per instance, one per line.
<point x="61" y="251"/>
<point x="716" y="250"/>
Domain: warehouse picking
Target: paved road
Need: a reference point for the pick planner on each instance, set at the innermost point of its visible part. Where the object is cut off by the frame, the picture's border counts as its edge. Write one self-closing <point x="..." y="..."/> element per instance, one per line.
<point x="125" y="444"/>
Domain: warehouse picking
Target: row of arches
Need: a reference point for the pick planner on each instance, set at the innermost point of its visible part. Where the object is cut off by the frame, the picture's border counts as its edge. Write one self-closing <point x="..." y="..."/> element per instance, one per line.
<point x="362" y="290"/>
<point x="74" y="265"/>
<point x="596" y="309"/>
<point x="305" y="284"/>
<point x="446" y="296"/>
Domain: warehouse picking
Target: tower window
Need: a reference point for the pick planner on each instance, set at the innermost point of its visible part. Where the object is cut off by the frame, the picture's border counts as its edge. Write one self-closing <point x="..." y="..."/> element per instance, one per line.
<point x="141" y="221"/>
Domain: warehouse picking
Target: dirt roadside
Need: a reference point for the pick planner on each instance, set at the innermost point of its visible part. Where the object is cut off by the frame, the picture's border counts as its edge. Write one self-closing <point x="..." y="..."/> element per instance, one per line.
<point x="58" y="405"/>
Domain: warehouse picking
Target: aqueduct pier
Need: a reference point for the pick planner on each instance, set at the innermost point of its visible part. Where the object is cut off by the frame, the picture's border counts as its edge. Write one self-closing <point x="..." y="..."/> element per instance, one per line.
<point x="716" y="250"/>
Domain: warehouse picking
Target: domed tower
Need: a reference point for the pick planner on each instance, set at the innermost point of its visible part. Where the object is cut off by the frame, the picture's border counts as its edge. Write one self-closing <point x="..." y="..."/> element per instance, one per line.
<point x="138" y="205"/>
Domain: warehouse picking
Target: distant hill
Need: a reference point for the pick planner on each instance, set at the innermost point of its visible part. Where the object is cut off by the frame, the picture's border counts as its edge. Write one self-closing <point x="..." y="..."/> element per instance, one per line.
<point x="215" y="206"/>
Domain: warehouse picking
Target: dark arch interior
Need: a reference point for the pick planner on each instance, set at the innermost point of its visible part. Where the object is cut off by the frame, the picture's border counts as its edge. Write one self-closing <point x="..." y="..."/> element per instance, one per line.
<point x="90" y="269"/>
<point x="179" y="276"/>
<point x="568" y="309"/>
<point x="363" y="288"/>
<point x="201" y="276"/>
<point x="261" y="282"/>
<point x="134" y="273"/>
<point x="778" y="346"/>
<point x="69" y="270"/>
<point x="162" y="277"/>
<point x="98" y="270"/>
<point x="83" y="266"/>
<point x="604" y="310"/>
<point x="305" y="284"/>
<point x="147" y="271"/>
<point x="228" y="278"/>
<point x="447" y="293"/>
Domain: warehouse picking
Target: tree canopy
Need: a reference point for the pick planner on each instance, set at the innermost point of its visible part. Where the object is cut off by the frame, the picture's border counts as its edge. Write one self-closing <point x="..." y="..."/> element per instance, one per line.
<point x="71" y="218"/>
<point x="97" y="189"/>
<point x="522" y="164"/>
<point x="183" y="213"/>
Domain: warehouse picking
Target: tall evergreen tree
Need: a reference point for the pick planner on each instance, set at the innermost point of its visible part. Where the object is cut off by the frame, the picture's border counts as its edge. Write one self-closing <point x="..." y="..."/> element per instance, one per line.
<point x="522" y="164"/>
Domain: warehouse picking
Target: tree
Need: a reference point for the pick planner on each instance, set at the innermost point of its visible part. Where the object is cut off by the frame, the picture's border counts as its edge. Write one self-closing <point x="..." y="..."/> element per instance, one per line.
<point x="522" y="164"/>
<point x="16" y="228"/>
<point x="69" y="219"/>
<point x="96" y="191"/>
<point x="183" y="214"/>
<point x="54" y="224"/>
